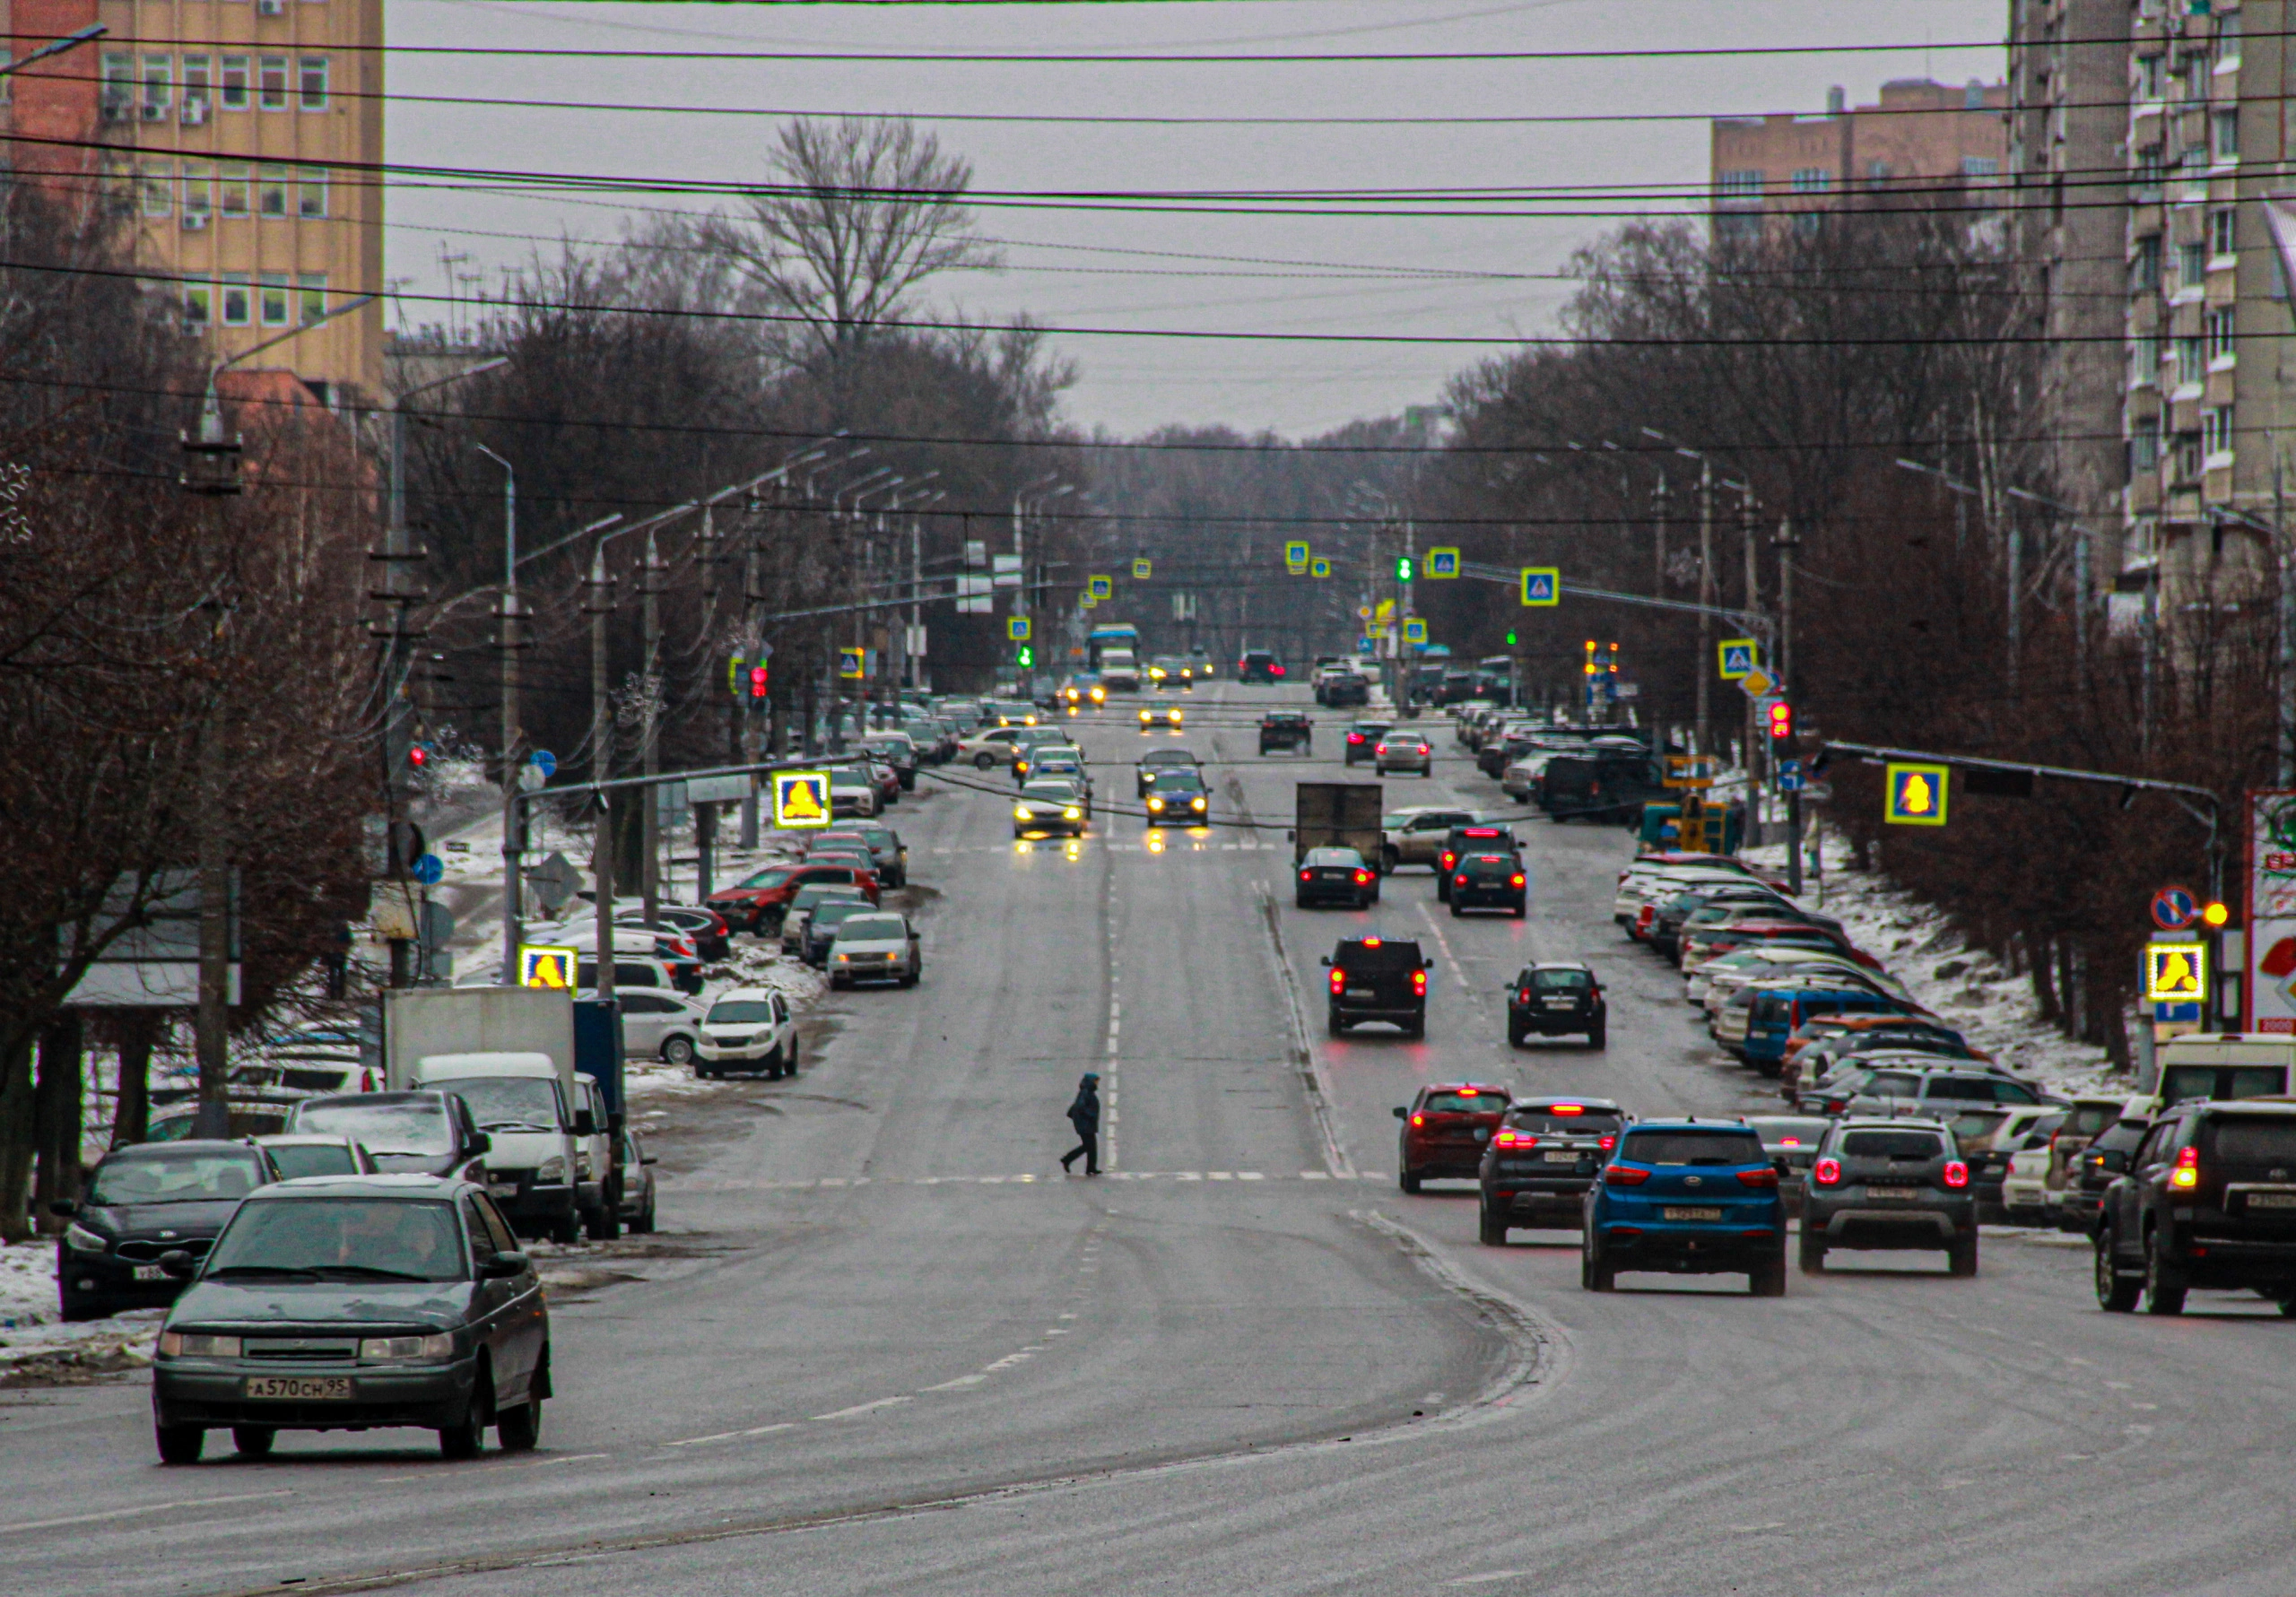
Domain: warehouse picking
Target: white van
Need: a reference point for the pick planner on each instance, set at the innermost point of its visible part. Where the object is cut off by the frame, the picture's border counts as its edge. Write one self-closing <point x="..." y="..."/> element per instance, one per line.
<point x="2226" y="1065"/>
<point x="520" y="1100"/>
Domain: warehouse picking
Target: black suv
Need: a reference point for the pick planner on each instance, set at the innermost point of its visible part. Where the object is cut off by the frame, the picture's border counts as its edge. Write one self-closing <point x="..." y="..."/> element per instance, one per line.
<point x="1882" y="1183"/>
<point x="1541" y="1159"/>
<point x="1482" y="880"/>
<point x="1287" y="729"/>
<point x="1378" y="979"/>
<point x="1363" y="740"/>
<point x="1556" y="998"/>
<point x="2209" y="1200"/>
<point x="1342" y="689"/>
<point x="142" y="1203"/>
<point x="2095" y="1168"/>
<point x="1469" y="838"/>
<point x="1259" y="665"/>
<point x="1336" y="876"/>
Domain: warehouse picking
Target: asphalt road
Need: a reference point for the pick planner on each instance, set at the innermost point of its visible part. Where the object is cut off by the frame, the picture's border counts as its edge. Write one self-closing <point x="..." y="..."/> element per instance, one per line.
<point x="883" y="1345"/>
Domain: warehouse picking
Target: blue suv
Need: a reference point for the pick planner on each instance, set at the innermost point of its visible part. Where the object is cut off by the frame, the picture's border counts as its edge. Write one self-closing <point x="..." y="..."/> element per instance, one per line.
<point x="1688" y="1197"/>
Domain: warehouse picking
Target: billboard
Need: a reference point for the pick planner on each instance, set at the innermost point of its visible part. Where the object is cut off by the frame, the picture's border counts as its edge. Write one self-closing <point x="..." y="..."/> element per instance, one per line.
<point x="2269" y="991"/>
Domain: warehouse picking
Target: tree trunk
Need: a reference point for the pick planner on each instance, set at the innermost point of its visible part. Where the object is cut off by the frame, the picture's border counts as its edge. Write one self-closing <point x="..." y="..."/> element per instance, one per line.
<point x="56" y="1109"/>
<point x="139" y="1034"/>
<point x="2044" y="971"/>
<point x="15" y="1140"/>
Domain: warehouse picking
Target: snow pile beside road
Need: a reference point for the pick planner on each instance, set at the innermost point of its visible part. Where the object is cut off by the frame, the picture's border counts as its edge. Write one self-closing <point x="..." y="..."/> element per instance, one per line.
<point x="36" y="1346"/>
<point x="1965" y="987"/>
<point x="750" y="965"/>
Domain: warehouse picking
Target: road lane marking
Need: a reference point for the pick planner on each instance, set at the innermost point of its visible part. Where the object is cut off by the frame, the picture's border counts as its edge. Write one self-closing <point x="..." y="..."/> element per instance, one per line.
<point x="859" y="1409"/>
<point x="571" y="1458"/>
<point x="90" y="1519"/>
<point x="961" y="1381"/>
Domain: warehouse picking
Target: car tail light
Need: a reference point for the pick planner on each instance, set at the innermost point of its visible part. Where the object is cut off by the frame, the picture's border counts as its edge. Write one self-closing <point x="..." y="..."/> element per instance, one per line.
<point x="1758" y="1178"/>
<point x="1835" y="1106"/>
<point x="1826" y="1172"/>
<point x="1623" y="1175"/>
<point x="1515" y="880"/>
<point x="1307" y="875"/>
<point x="1524" y="996"/>
<point x="1957" y="1174"/>
<point x="1566" y="1108"/>
<point x="1355" y="737"/>
<point x="1419" y="1120"/>
<point x="1362" y="878"/>
<point x="1607" y="1140"/>
<point x="1450" y="859"/>
<point x="2186" y="1175"/>
<point x="1338" y="981"/>
<point x="1275" y="671"/>
<point x="1460" y="880"/>
<point x="1419" y="984"/>
<point x="1506" y="1140"/>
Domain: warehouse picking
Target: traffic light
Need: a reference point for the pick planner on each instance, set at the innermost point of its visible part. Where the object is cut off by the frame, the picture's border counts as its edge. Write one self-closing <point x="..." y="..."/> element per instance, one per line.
<point x="1781" y="721"/>
<point x="760" y="680"/>
<point x="1403" y="568"/>
<point x="2214" y="916"/>
<point x="1025" y="656"/>
<point x="1591" y="667"/>
<point x="418" y="757"/>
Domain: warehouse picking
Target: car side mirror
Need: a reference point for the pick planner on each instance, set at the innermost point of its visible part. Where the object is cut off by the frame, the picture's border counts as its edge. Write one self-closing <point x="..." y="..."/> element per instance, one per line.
<point x="178" y="1265"/>
<point x="651" y="1159"/>
<point x="585" y="1123"/>
<point x="1325" y="961"/>
<point x="2113" y="1159"/>
<point x="480" y="1143"/>
<point x="1401" y="1112"/>
<point x="63" y="1208"/>
<point x="504" y="1266"/>
<point x="1782" y="1164"/>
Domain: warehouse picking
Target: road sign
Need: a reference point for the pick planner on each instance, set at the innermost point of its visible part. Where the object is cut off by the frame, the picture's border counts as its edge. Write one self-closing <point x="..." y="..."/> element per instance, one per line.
<point x="541" y="965"/>
<point x="1295" y="555"/>
<point x="1140" y="570"/>
<point x="1320" y="567"/>
<point x="1362" y="612"/>
<point x="554" y="882"/>
<point x="719" y="790"/>
<point x="1103" y="588"/>
<point x="428" y="870"/>
<point x="1739" y="656"/>
<point x="1086" y="602"/>
<point x="1442" y="562"/>
<point x="852" y="664"/>
<point x="801" y="799"/>
<point x="1541" y="585"/>
<point x="1017" y="629"/>
<point x="1789" y="776"/>
<point x="544" y="761"/>
<point x="1757" y="683"/>
<point x="2174" y="908"/>
<point x="530" y="777"/>
<point x="1362" y="645"/>
<point x="2176" y="973"/>
<point x="1915" y="795"/>
<point x="1415" y="630"/>
<point x="434" y="924"/>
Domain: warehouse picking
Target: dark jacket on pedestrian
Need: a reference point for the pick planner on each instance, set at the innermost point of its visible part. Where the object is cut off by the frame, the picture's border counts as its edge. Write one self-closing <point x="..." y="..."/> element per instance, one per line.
<point x="1084" y="1113"/>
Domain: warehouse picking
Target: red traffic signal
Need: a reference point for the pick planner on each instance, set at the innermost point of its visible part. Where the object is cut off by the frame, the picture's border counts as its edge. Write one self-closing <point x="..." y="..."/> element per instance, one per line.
<point x="1781" y="721"/>
<point x="417" y="757"/>
<point x="758" y="677"/>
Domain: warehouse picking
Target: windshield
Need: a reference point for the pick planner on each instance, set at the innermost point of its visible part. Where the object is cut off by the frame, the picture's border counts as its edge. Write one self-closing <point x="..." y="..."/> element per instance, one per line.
<point x="508" y="1103"/>
<point x="1052" y="793"/>
<point x="832" y="915"/>
<point x="1693" y="1148"/>
<point x="773" y="877"/>
<point x="740" y="1012"/>
<point x="350" y="1236"/>
<point x="399" y="1128"/>
<point x="873" y="928"/>
<point x="313" y="1158"/>
<point x="1178" y="782"/>
<point x="185" y="1177"/>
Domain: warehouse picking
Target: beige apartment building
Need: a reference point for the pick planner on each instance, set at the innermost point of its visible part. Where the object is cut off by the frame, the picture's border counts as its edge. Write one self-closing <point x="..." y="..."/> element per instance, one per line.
<point x="245" y="139"/>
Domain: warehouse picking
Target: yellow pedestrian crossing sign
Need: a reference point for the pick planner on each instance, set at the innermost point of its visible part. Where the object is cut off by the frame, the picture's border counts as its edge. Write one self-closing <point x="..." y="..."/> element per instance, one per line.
<point x="2176" y="972"/>
<point x="800" y="798"/>
<point x="542" y="966"/>
<point x="1442" y="562"/>
<point x="1915" y="795"/>
<point x="1739" y="656"/>
<point x="1140" y="570"/>
<point x="1295" y="555"/>
<point x="1320" y="567"/>
<point x="1103" y="588"/>
<point x="1541" y="585"/>
<point x="852" y="661"/>
<point x="1017" y="629"/>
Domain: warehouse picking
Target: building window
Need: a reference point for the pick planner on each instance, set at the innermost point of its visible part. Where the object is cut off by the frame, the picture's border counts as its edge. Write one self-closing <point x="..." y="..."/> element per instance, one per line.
<point x="198" y="192"/>
<point x="2151" y="77"/>
<point x="2192" y="362"/>
<point x="2219" y="325"/>
<point x="198" y="80"/>
<point x="198" y="307"/>
<point x="2216" y="434"/>
<point x="118" y="85"/>
<point x="157" y="185"/>
<point x="232" y="183"/>
<point x="235" y="82"/>
<point x="1812" y="179"/>
<point x="1736" y="228"/>
<point x="314" y="82"/>
<point x="312" y="289"/>
<point x="273" y="296"/>
<point x="1740" y="185"/>
<point x="2228" y="38"/>
<point x="271" y="191"/>
<point x="159" y="81"/>
<point x="2192" y="266"/>
<point x="2220" y="233"/>
<point x="2186" y="462"/>
<point x="2145" y="359"/>
<point x="2225" y="125"/>
<point x="2145" y="445"/>
<point x="2152" y="166"/>
<point x="271" y="82"/>
<point x="311" y="193"/>
<point x="1878" y="171"/>
<point x="7" y="58"/>
<point x="238" y="302"/>
<point x="2144" y="266"/>
<point x="1980" y="166"/>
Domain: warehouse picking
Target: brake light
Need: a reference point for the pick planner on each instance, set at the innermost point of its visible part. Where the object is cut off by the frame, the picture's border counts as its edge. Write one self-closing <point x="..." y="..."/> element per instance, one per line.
<point x="1608" y="1140"/>
<point x="2187" y="1173"/>
<point x="1362" y="878"/>
<point x="1275" y="671"/>
<point x="1419" y="1120"/>
<point x="1763" y="1177"/>
<point x="1826" y="1172"/>
<point x="1505" y="1140"/>
<point x="1460" y="880"/>
<point x="1515" y="880"/>
<point x="1338" y="981"/>
<point x="1373" y="941"/>
<point x="1835" y="1106"/>
<point x="1623" y="1175"/>
<point x="1470" y="1091"/>
<point x="1307" y="875"/>
<point x="1419" y="984"/>
<point x="1450" y="859"/>
<point x="1524" y="996"/>
<point x="1355" y="737"/>
<point x="1566" y="1108"/>
<point x="1957" y="1174"/>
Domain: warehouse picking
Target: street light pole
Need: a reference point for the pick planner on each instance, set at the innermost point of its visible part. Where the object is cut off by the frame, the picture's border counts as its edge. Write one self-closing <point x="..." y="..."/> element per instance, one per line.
<point x="506" y="613"/>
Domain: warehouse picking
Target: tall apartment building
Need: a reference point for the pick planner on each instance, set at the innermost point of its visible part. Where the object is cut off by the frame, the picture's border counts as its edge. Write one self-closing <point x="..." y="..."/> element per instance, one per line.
<point x="1799" y="166"/>
<point x="245" y="139"/>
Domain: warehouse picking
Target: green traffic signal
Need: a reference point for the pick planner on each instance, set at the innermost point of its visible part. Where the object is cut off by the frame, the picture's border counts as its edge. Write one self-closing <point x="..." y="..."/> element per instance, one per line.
<point x="1403" y="568"/>
<point x="1024" y="656"/>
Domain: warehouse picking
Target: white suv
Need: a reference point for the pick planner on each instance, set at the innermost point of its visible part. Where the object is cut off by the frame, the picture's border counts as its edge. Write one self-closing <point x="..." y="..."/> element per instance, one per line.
<point x="750" y="1030"/>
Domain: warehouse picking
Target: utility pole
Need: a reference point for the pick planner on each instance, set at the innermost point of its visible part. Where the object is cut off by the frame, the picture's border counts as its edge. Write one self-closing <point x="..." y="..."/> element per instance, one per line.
<point x="1706" y="600"/>
<point x="1659" y="543"/>
<point x="1756" y="734"/>
<point x="2287" y="764"/>
<point x="506" y="614"/>
<point x="2016" y="551"/>
<point x="1786" y="543"/>
<point x="597" y="603"/>
<point x="653" y="574"/>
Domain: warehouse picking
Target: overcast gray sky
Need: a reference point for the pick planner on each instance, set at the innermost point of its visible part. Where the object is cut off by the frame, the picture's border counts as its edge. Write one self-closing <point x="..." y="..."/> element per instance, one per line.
<point x="1112" y="269"/>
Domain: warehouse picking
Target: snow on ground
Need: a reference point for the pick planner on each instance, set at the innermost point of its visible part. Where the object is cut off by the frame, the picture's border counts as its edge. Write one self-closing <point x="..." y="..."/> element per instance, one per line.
<point x="753" y="963"/>
<point x="1965" y="987"/>
<point x="34" y="1341"/>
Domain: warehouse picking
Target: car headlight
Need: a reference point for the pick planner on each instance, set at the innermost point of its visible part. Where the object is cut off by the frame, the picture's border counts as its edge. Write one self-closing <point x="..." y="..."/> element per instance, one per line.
<point x="192" y="1344"/>
<point x="845" y="959"/>
<point x="82" y="1240"/>
<point x="1195" y="804"/>
<point x="1071" y="813"/>
<point x="1155" y="804"/>
<point x="552" y="1168"/>
<point x="1022" y="813"/>
<point x="407" y="1349"/>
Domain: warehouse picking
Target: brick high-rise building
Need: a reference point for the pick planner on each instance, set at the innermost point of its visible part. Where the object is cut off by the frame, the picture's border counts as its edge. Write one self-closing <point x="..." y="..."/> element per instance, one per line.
<point x="244" y="139"/>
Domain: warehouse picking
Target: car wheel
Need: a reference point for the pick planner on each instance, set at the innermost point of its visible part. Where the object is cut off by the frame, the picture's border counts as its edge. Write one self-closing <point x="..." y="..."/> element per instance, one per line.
<point x="1522" y="912"/>
<point x="1334" y="1026"/>
<point x="643" y="1225"/>
<point x="1600" y="1035"/>
<point x="253" y="1441"/>
<point x="1408" y="1180"/>
<point x="518" y="1429"/>
<point x="1457" y="911"/>
<point x="1595" y="1274"/>
<point x="71" y="1312"/>
<point x="1813" y="1250"/>
<point x="467" y="1438"/>
<point x="678" y="1051"/>
<point x="789" y="1063"/>
<point x="2164" y="1283"/>
<point x="180" y="1443"/>
<point x="1516" y="1035"/>
<point x="1492" y="1232"/>
<point x="1768" y="1280"/>
<point x="603" y="1224"/>
<point x="566" y="1231"/>
<point x="2116" y="1294"/>
<point x="983" y="762"/>
<point x="1417" y="1029"/>
<point x="1961" y="1256"/>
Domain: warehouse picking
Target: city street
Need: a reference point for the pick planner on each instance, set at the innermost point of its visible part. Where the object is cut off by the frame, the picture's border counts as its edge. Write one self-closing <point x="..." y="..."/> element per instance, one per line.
<point x="882" y="1343"/>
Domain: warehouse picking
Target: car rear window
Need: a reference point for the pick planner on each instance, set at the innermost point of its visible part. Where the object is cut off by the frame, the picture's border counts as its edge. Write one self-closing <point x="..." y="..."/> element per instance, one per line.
<point x="1693" y="1148"/>
<point x="1569" y="1126"/>
<point x="1897" y="1145"/>
<point x="2253" y="1140"/>
<point x="1561" y="981"/>
<point x="1892" y="1084"/>
<point x="2089" y="1120"/>
<point x="2180" y="1082"/>
<point x="1385" y="954"/>
<point x="1464" y="1102"/>
<point x="1490" y="865"/>
<point x="1982" y="1089"/>
<point x="314" y="1159"/>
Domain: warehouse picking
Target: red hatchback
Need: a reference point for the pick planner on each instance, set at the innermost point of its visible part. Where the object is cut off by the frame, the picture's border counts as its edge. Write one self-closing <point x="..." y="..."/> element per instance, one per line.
<point x="756" y="903"/>
<point x="1444" y="1132"/>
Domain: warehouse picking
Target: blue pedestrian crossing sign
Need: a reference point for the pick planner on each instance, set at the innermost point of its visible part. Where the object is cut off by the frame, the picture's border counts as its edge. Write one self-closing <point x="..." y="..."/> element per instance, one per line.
<point x="1295" y="555"/>
<point x="1140" y="570"/>
<point x="1442" y="562"/>
<point x="1320" y="567"/>
<point x="800" y="798"/>
<point x="1415" y="630"/>
<point x="1541" y="585"/>
<point x="1017" y="629"/>
<point x="1103" y="588"/>
<point x="1915" y="795"/>
<point x="1740" y="655"/>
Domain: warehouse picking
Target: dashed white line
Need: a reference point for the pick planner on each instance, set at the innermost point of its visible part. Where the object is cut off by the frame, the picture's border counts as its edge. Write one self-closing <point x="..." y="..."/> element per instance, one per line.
<point x="859" y="1409"/>
<point x="90" y="1519"/>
